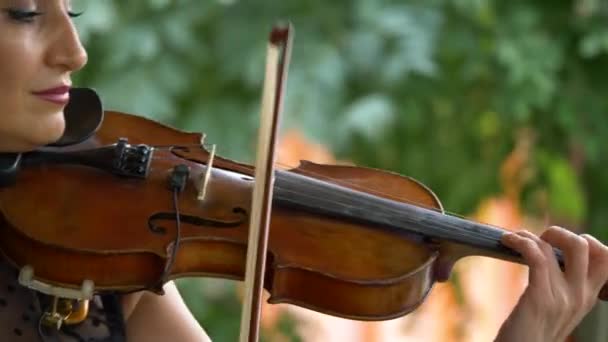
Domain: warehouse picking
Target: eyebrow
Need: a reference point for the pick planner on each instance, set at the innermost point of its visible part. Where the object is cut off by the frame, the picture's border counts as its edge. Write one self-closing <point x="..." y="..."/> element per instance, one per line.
<point x="23" y="3"/>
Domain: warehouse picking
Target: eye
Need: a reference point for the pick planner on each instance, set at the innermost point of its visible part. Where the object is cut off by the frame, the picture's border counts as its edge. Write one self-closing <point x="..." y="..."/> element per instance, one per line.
<point x="75" y="14"/>
<point x="76" y="7"/>
<point x="22" y="15"/>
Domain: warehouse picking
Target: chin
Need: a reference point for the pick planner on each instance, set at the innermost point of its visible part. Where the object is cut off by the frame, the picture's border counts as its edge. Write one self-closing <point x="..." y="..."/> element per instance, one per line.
<point x="30" y="131"/>
<point x="54" y="133"/>
<point x="49" y="131"/>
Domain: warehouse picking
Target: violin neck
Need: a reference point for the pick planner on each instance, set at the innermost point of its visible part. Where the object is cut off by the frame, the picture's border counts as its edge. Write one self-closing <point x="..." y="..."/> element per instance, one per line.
<point x="322" y="198"/>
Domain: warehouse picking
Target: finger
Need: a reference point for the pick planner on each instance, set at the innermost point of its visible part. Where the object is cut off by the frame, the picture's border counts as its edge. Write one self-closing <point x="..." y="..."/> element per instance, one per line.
<point x="547" y="249"/>
<point x="575" y="250"/>
<point x="598" y="261"/>
<point x="442" y="269"/>
<point x="532" y="255"/>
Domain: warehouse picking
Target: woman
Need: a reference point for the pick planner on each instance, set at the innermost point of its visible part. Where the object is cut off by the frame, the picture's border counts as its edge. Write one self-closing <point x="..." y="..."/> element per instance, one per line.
<point x="41" y="49"/>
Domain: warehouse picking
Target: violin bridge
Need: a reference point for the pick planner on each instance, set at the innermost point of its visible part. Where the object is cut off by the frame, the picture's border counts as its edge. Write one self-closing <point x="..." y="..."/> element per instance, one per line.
<point x="206" y="176"/>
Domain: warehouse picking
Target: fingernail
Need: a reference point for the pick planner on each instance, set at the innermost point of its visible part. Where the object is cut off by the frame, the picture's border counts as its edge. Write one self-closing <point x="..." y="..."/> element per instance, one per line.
<point x="509" y="236"/>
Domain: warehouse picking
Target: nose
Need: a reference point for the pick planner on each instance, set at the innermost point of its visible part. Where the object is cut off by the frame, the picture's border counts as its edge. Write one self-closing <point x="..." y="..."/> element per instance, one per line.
<point x="65" y="50"/>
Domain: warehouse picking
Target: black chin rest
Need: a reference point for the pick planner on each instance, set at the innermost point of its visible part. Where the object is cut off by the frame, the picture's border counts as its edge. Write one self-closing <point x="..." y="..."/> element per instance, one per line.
<point x="83" y="116"/>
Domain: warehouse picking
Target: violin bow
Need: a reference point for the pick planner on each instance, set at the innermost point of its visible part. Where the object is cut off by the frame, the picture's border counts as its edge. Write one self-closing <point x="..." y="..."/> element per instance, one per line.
<point x="277" y="62"/>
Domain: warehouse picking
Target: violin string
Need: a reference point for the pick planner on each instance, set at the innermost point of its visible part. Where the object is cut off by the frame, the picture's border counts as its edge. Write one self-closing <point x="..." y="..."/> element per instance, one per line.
<point x="353" y="186"/>
<point x="480" y="236"/>
<point x="379" y="193"/>
<point x="489" y="236"/>
<point x="345" y="183"/>
<point x="358" y="187"/>
<point x="449" y="229"/>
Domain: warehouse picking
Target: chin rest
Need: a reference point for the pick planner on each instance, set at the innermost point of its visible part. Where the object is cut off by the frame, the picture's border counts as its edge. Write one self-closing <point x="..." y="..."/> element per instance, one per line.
<point x="83" y="116"/>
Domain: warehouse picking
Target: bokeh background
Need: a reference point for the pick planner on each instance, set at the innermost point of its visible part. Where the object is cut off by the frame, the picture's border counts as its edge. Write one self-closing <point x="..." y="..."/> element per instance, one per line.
<point x="500" y="107"/>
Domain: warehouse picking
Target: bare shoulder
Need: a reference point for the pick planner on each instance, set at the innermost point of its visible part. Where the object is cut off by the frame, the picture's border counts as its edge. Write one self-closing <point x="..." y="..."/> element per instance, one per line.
<point x="151" y="318"/>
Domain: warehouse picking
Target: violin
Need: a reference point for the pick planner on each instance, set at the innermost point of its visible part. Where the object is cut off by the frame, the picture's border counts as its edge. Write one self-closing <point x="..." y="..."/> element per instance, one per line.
<point x="137" y="203"/>
<point x="344" y="240"/>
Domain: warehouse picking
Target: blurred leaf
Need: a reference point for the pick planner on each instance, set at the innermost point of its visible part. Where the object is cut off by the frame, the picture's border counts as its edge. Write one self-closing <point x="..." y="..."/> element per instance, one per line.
<point x="594" y="43"/>
<point x="368" y="116"/>
<point x="566" y="197"/>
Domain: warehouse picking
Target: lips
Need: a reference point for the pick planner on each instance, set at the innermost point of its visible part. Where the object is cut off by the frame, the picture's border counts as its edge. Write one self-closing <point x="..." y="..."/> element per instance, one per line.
<point x="58" y="95"/>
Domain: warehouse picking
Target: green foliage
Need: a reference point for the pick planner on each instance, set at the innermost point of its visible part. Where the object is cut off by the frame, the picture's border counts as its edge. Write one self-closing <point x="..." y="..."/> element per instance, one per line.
<point x="437" y="90"/>
<point x="215" y="305"/>
<point x="566" y="196"/>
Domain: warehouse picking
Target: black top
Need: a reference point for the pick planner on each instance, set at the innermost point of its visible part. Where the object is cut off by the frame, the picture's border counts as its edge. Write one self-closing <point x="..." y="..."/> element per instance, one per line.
<point x="22" y="308"/>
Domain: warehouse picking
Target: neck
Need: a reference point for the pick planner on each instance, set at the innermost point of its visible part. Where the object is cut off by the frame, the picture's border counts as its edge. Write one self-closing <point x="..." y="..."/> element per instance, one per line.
<point x="328" y="199"/>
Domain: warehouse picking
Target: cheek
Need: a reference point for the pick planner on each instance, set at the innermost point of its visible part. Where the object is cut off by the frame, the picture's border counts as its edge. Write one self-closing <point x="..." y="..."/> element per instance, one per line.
<point x="25" y="121"/>
<point x="12" y="75"/>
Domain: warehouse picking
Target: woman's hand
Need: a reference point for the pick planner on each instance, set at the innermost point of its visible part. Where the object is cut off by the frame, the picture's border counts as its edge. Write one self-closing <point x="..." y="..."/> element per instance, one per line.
<point x="555" y="301"/>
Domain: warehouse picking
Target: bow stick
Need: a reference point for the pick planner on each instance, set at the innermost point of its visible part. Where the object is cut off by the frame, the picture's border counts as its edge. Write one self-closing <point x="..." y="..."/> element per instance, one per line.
<point x="277" y="61"/>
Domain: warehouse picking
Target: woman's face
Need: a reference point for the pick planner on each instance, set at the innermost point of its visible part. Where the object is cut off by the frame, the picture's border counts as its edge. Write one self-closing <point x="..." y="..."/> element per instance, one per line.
<point x="39" y="50"/>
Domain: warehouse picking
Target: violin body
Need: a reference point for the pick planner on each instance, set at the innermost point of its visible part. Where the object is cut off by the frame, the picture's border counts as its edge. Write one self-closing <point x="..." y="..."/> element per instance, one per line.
<point x="72" y="223"/>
